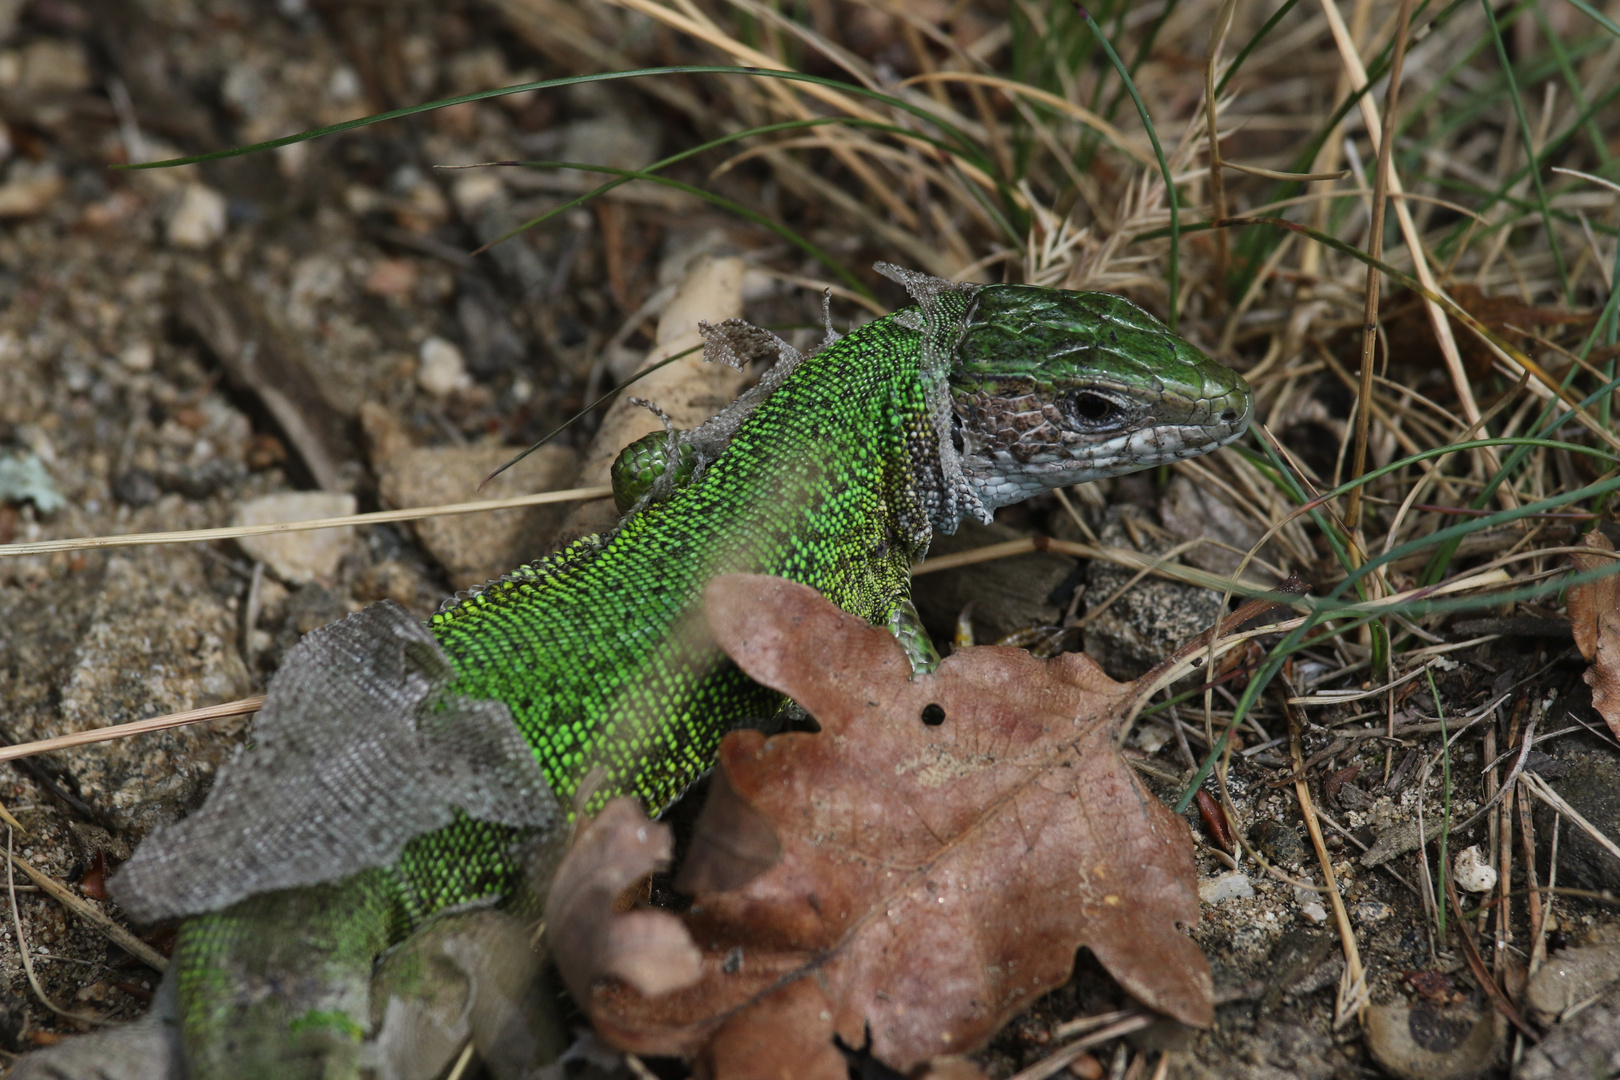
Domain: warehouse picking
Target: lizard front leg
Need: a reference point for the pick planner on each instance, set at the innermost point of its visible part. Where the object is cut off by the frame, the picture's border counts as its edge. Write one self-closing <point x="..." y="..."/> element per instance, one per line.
<point x="906" y="626"/>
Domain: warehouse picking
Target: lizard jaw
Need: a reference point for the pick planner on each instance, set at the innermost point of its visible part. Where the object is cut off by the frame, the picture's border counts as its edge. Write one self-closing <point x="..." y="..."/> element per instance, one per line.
<point x="1004" y="474"/>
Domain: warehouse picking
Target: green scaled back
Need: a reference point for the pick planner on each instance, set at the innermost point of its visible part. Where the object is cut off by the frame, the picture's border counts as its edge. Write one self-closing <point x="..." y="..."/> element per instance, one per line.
<point x="600" y="651"/>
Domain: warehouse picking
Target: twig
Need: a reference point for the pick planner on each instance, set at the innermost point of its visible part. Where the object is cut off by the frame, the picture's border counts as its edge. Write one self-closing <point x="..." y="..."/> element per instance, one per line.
<point x="378" y="517"/>
<point x="1476" y="964"/>
<point x="1347" y="937"/>
<point x="115" y="933"/>
<point x="22" y="944"/>
<point x="1055" y="1063"/>
<point x="134" y="727"/>
<point x="1375" y="248"/>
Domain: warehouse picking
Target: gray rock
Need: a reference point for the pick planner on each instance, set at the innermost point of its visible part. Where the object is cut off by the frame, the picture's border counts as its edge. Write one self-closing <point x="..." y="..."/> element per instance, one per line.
<point x="139" y="635"/>
<point x="1195" y="512"/>
<point x="1592" y="787"/>
<point x="474" y="548"/>
<point x="1587" y="1044"/>
<point x="298" y="557"/>
<point x="1426" y="1042"/>
<point x="1570" y="978"/>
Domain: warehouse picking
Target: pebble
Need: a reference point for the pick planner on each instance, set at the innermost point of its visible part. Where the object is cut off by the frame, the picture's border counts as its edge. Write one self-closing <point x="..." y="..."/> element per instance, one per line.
<point x="443" y="370"/>
<point x="1571" y="977"/>
<point x="475" y="189"/>
<point x="1472" y="872"/>
<point x="1314" y="913"/>
<point x="198" y="218"/>
<point x="29" y="190"/>
<point x="298" y="557"/>
<point x="1371" y="912"/>
<point x="54" y="66"/>
<point x="1232" y="885"/>
<point x="138" y="357"/>
<point x="472" y="548"/>
<point x="1426" y="1042"/>
<point x="1279" y="842"/>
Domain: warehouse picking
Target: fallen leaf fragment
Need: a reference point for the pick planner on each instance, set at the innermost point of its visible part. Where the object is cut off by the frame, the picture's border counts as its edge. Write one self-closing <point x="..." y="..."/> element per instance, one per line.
<point x="1594" y="616"/>
<point x="916" y="871"/>
<point x="649" y="950"/>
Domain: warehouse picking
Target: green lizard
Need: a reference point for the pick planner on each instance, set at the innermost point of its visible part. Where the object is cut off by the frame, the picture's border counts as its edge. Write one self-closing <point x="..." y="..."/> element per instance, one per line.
<point x="834" y="472"/>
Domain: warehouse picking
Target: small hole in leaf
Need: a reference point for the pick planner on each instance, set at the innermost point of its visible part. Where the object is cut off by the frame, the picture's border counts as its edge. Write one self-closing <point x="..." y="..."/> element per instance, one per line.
<point x="933" y="715"/>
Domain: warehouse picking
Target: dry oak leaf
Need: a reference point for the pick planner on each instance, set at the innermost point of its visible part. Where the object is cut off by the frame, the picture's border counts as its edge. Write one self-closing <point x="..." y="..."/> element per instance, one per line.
<point x="1594" y="616"/>
<point x="922" y="867"/>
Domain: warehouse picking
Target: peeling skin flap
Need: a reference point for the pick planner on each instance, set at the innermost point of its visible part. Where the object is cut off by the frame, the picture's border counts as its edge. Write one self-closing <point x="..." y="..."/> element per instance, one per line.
<point x="360" y="748"/>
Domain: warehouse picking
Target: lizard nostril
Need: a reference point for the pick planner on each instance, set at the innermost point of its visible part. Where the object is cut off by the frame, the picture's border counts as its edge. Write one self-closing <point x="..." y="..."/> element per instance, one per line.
<point x="1229" y="416"/>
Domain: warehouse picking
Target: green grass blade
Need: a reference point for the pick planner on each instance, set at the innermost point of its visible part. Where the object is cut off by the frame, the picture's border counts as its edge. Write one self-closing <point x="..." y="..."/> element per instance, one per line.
<point x="1561" y="57"/>
<point x="962" y="145"/>
<point x="800" y="242"/>
<point x="1527" y="138"/>
<point x="658" y="166"/>
<point x="1173" y="277"/>
<point x="1253" y="43"/>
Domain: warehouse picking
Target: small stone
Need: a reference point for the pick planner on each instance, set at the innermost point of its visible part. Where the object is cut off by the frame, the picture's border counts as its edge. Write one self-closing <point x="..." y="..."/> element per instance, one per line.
<point x="298" y="557"/>
<point x="443" y="371"/>
<point x="198" y="219"/>
<point x="24" y="479"/>
<point x="1278" y="842"/>
<point x="138" y="357"/>
<point x="1314" y="913"/>
<point x="1371" y="912"/>
<point x="29" y="190"/>
<point x="392" y="278"/>
<point x="475" y="189"/>
<point x="1232" y="885"/>
<point x="472" y="548"/>
<point x="1472" y="872"/>
<point x="1427" y="1042"/>
<point x="1571" y="977"/>
<point x="55" y="66"/>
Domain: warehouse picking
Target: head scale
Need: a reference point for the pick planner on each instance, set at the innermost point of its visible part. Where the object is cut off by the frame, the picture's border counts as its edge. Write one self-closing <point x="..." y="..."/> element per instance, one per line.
<point x="1050" y="388"/>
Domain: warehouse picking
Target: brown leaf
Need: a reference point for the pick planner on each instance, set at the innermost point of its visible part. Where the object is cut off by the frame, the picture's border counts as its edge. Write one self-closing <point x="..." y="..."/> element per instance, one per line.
<point x="590" y="941"/>
<point x="1594" y="616"/>
<point x="1412" y="340"/>
<point x="922" y="867"/>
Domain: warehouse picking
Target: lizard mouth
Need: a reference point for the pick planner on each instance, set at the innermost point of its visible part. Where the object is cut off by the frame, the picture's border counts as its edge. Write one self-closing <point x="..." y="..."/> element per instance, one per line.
<point x="1007" y="471"/>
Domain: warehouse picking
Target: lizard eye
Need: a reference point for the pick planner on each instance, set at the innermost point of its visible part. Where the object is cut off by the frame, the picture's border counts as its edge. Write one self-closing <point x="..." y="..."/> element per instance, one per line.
<point x="1092" y="410"/>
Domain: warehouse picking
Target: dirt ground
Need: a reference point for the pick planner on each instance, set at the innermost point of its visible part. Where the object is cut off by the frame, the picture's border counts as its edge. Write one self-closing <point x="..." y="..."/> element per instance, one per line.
<point x="176" y="344"/>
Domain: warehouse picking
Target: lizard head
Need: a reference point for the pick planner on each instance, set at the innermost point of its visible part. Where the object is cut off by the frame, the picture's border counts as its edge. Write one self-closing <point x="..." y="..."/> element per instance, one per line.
<point x="1051" y="388"/>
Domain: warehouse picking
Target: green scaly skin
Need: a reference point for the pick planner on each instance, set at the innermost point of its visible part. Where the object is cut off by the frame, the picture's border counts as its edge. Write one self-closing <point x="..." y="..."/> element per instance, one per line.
<point x="835" y="480"/>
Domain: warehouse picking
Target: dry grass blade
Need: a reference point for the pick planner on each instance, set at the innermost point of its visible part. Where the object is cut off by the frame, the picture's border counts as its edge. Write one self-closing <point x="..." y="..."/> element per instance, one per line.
<point x="378" y="517"/>
<point x="1355" y="974"/>
<point x="1375" y="248"/>
<point x="115" y="933"/>
<point x="1059" y="1061"/>
<point x="1067" y="108"/>
<point x="1476" y="965"/>
<point x="1420" y="263"/>
<point x="134" y="727"/>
